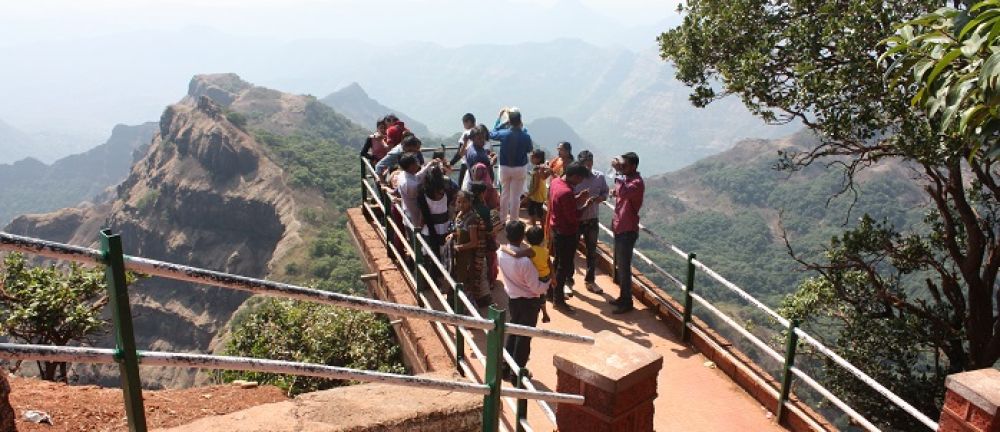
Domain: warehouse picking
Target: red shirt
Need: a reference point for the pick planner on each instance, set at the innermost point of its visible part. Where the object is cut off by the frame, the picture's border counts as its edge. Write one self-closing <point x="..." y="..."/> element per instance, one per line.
<point x="563" y="216"/>
<point x="629" y="191"/>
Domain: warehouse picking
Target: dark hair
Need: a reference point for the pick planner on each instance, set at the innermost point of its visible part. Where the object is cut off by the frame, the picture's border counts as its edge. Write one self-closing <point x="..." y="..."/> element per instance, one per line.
<point x="435" y="181"/>
<point x="410" y="140"/>
<point x="569" y="147"/>
<point x="535" y="235"/>
<point x="515" y="231"/>
<point x="514" y="117"/>
<point x="468" y="117"/>
<point x="379" y="123"/>
<point x="477" y="190"/>
<point x="576" y="169"/>
<point x="585" y="155"/>
<point x="467" y="195"/>
<point x="482" y="130"/>
<point x="631" y="158"/>
<point x="407" y="160"/>
<point x="390" y="118"/>
<point x="539" y="153"/>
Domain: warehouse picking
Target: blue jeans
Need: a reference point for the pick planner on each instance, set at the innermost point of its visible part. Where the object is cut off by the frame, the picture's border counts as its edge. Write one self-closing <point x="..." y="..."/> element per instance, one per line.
<point x="624" y="245"/>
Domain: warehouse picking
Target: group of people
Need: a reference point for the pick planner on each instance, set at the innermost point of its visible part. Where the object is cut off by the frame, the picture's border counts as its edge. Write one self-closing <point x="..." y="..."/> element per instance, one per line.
<point x="477" y="231"/>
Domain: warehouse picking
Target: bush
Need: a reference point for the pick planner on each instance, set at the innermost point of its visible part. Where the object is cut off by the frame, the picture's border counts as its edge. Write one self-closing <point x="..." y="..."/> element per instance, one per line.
<point x="311" y="333"/>
<point x="237" y="119"/>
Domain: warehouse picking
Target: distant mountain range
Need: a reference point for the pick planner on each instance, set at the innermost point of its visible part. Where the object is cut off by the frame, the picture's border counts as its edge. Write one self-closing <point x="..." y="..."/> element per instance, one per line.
<point x="617" y="98"/>
<point x="31" y="186"/>
<point x="14" y="144"/>
<point x="354" y="103"/>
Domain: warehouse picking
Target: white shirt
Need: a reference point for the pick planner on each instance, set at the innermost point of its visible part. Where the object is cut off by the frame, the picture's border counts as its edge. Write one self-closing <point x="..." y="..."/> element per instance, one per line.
<point x="408" y="189"/>
<point x="520" y="276"/>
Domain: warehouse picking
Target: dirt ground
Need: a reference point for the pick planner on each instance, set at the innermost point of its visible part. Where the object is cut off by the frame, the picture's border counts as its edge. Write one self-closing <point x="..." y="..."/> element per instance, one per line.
<point x="97" y="409"/>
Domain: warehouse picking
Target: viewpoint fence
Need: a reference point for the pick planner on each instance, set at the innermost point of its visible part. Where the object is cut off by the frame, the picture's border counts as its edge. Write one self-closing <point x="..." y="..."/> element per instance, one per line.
<point x="420" y="256"/>
<point x="794" y="335"/>
<point x="129" y="358"/>
<point x="416" y="258"/>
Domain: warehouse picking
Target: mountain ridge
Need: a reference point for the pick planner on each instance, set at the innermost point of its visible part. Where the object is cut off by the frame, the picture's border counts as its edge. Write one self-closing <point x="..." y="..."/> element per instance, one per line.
<point x="354" y="103"/>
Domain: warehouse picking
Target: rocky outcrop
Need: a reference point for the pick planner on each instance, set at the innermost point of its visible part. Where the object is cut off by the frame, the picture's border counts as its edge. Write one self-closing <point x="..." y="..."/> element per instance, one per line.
<point x="205" y="194"/>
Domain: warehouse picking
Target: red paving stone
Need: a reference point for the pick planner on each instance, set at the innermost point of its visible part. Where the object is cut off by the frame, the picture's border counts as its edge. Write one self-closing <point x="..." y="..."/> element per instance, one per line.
<point x="691" y="397"/>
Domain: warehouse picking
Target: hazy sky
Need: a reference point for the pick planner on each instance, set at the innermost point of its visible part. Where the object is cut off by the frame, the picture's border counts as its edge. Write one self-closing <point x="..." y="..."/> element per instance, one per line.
<point x="440" y="21"/>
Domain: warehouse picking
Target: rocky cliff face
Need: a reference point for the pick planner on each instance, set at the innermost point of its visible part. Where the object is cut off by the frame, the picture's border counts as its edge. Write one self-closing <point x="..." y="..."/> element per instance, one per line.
<point x="206" y="194"/>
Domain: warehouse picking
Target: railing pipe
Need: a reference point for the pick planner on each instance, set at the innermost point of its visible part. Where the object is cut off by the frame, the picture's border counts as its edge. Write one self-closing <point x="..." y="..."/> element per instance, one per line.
<point x="459" y="339"/>
<point x="521" y="414"/>
<point x="121" y="317"/>
<point x="688" y="303"/>
<point x="786" y="379"/>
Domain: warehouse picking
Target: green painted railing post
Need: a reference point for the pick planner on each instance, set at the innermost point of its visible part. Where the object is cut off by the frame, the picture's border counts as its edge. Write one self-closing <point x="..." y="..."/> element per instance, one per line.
<point x="522" y="404"/>
<point x="386" y="215"/>
<point x="418" y="259"/>
<point x="786" y="381"/>
<point x="688" y="300"/>
<point x="494" y="361"/>
<point x="126" y="355"/>
<point x="456" y="305"/>
<point x="364" y="173"/>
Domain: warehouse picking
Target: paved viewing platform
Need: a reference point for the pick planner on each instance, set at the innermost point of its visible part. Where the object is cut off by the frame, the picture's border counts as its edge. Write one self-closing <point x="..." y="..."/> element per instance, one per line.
<point x="690" y="396"/>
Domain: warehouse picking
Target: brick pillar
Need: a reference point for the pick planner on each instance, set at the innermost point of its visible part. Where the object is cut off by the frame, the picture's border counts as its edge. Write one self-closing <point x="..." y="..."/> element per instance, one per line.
<point x="618" y="379"/>
<point x="970" y="404"/>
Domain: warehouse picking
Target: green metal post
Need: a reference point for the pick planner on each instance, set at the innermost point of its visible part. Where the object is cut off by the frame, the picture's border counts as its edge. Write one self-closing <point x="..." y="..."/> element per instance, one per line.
<point x="386" y="215"/>
<point x="126" y="355"/>
<point x="522" y="404"/>
<point x="494" y="360"/>
<point x="456" y="305"/>
<point x="418" y="259"/>
<point x="364" y="190"/>
<point x="688" y="300"/>
<point x="786" y="381"/>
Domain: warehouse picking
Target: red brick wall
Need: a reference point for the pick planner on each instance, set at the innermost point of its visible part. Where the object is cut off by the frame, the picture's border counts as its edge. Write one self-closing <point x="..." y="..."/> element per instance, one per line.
<point x="959" y="415"/>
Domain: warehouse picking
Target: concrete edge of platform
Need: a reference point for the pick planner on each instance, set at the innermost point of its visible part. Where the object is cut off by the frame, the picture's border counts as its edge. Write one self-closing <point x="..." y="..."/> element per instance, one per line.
<point x="423" y="350"/>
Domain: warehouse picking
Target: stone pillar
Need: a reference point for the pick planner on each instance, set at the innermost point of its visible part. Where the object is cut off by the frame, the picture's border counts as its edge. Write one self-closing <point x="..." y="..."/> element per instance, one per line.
<point x="618" y="379"/>
<point x="971" y="401"/>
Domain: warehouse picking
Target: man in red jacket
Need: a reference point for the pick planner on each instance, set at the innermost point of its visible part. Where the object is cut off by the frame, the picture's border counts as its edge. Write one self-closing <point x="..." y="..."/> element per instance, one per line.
<point x="564" y="221"/>
<point x="628" y="192"/>
<point x="394" y="130"/>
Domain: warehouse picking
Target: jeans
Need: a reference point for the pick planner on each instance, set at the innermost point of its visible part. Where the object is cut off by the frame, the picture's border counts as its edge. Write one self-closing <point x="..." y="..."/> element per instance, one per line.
<point x="512" y="182"/>
<point x="590" y="230"/>
<point x="565" y="251"/>
<point x="523" y="311"/>
<point x="624" y="245"/>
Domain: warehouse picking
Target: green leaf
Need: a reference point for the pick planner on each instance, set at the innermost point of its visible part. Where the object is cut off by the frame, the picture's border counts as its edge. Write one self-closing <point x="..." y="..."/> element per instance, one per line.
<point x="942" y="64"/>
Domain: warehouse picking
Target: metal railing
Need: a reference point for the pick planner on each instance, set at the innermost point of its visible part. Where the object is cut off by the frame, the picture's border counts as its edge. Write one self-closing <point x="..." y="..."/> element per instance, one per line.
<point x="415" y="258"/>
<point x="129" y="358"/>
<point x="794" y="334"/>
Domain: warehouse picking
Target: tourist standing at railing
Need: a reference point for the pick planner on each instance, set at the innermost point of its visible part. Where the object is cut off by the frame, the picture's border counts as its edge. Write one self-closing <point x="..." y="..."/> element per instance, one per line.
<point x="515" y="144"/>
<point x="375" y="147"/>
<point x="409" y="186"/>
<point x="538" y="188"/>
<point x="394" y="130"/>
<point x="525" y="291"/>
<point x="564" y="223"/>
<point x="477" y="153"/>
<point x="564" y="157"/>
<point x="410" y="144"/>
<point x="492" y="225"/>
<point x="480" y="175"/>
<point x="628" y="194"/>
<point x="468" y="251"/>
<point x="435" y="200"/>
<point x="597" y="185"/>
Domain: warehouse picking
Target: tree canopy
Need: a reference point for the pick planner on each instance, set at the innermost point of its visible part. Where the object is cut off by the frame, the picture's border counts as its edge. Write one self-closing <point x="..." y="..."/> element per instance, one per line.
<point x="924" y="296"/>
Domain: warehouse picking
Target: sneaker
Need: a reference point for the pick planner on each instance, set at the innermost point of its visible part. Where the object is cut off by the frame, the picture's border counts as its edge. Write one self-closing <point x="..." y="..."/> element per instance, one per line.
<point x="622" y="309"/>
<point x="592" y="287"/>
<point x="564" y="308"/>
<point x="567" y="291"/>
